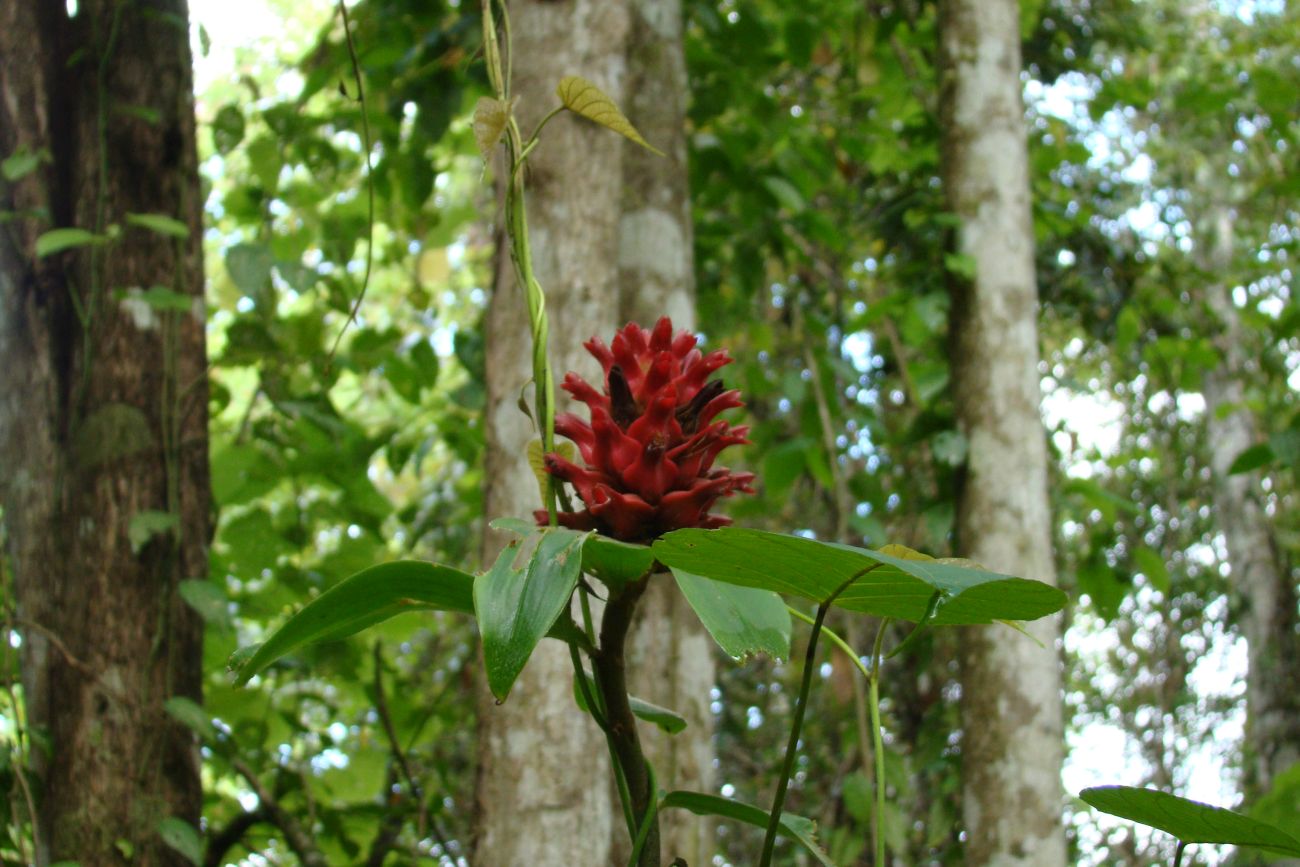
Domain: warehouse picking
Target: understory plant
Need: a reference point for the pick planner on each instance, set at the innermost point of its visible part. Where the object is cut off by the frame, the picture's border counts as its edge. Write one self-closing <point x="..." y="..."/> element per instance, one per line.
<point x="630" y="500"/>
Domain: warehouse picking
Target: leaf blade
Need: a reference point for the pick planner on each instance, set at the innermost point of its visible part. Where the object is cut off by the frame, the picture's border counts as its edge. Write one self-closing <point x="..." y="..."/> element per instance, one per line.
<point x="1189" y="821"/>
<point x="744" y="621"/>
<point x="516" y="607"/>
<point x="582" y="97"/>
<point x="795" y="828"/>
<point x="370" y="596"/>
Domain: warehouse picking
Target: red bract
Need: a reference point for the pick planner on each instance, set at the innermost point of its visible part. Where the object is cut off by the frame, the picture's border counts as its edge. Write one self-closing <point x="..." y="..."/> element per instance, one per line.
<point x="649" y="448"/>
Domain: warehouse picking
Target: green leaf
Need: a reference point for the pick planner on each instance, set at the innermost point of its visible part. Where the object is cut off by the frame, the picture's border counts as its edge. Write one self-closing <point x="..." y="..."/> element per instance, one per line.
<point x="517" y="606"/>
<point x="669" y="721"/>
<point x="145" y="525"/>
<point x="227" y="129"/>
<point x="207" y="599"/>
<point x="183" y="837"/>
<point x="490" y="119"/>
<point x="113" y="431"/>
<point x="743" y="620"/>
<point x="899" y="585"/>
<point x="250" y="267"/>
<point x="582" y="97"/>
<point x="1150" y="564"/>
<point x="22" y="163"/>
<point x="1189" y="821"/>
<point x="366" y="598"/>
<point x="796" y="828"/>
<point x="615" y="562"/>
<point x="189" y="714"/>
<point x="157" y="297"/>
<point x="58" y="240"/>
<point x="160" y="223"/>
<point x="1252" y="459"/>
<point x="962" y="265"/>
<point x="785" y="193"/>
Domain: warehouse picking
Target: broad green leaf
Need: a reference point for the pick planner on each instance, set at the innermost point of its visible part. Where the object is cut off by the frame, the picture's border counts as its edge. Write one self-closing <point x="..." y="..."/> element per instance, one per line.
<point x="207" y="599"/>
<point x="160" y="223"/>
<point x="147" y="524"/>
<point x="1252" y="459"/>
<point x="516" y="606"/>
<point x="895" y="586"/>
<point x="1150" y="564"/>
<point x="962" y="265"/>
<point x="615" y="562"/>
<point x="796" y="828"/>
<point x="490" y="119"/>
<point x="1189" y="821"/>
<point x="250" y="267"/>
<point x="366" y="598"/>
<point x="113" y="431"/>
<point x="189" y="714"/>
<point x="227" y="129"/>
<point x="670" y="721"/>
<point x="158" y="297"/>
<point x="582" y="97"/>
<point x="22" y="163"/>
<point x="183" y="837"/>
<point x="58" y="240"/>
<point x="743" y="620"/>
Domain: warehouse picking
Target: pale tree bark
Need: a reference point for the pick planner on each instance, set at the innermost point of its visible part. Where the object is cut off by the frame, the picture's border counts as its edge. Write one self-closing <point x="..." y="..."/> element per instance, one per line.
<point x="672" y="660"/>
<point x="1012" y="739"/>
<point x="543" y="767"/>
<point x="1259" y="575"/>
<point x="103" y="416"/>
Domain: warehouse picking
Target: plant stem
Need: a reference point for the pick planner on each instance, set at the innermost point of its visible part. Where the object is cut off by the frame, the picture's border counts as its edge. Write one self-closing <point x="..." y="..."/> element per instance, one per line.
<point x="792" y="746"/>
<point x="611" y="677"/>
<point x="1178" y="853"/>
<point x="878" y="746"/>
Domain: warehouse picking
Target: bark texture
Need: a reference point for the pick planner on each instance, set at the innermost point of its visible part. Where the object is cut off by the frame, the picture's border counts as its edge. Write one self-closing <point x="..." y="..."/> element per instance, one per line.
<point x="543" y="766"/>
<point x="671" y="656"/>
<point x="1011" y="696"/>
<point x="103" y="416"/>
<point x="1260" y="578"/>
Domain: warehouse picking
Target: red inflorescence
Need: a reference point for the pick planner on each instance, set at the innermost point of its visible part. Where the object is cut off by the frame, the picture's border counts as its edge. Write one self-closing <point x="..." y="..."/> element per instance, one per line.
<point x="650" y="446"/>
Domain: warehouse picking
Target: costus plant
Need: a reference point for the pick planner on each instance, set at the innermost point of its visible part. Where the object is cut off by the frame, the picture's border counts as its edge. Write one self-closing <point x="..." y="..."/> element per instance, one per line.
<point x="646" y="482"/>
<point x="648" y="452"/>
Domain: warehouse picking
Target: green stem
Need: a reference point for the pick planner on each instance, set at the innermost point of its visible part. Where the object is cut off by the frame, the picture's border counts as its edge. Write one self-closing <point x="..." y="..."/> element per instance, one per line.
<point x="878" y="746"/>
<point x="835" y="639"/>
<point x="647" y="821"/>
<point x="801" y="705"/>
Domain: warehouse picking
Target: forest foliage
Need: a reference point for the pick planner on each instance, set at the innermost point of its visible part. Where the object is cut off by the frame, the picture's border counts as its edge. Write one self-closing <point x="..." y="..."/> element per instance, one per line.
<point x="822" y="257"/>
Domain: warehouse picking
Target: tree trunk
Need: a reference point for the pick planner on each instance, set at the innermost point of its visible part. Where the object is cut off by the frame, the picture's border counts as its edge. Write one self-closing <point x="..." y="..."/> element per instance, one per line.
<point x="1011" y="697"/>
<point x="543" y="767"/>
<point x="1259" y="577"/>
<point x="103" y="417"/>
<point x="671" y="654"/>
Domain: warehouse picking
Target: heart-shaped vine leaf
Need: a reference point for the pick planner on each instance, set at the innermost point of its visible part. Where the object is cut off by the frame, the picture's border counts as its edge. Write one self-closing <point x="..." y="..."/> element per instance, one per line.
<point x="1189" y="821"/>
<point x="516" y="605"/>
<point x="743" y="620"/>
<point x="892" y="582"/>
<point x="371" y="596"/>
<point x="490" y="119"/>
<point x="582" y="97"/>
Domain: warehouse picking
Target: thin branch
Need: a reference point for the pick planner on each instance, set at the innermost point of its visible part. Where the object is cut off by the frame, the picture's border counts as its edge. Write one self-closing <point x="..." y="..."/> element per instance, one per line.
<point x="228" y="837"/>
<point x="298" y="838"/>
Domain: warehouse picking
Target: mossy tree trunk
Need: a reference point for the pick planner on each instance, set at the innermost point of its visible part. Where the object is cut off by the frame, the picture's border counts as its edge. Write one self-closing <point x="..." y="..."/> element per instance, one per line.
<point x="103" y="417"/>
<point x="1012" y="738"/>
